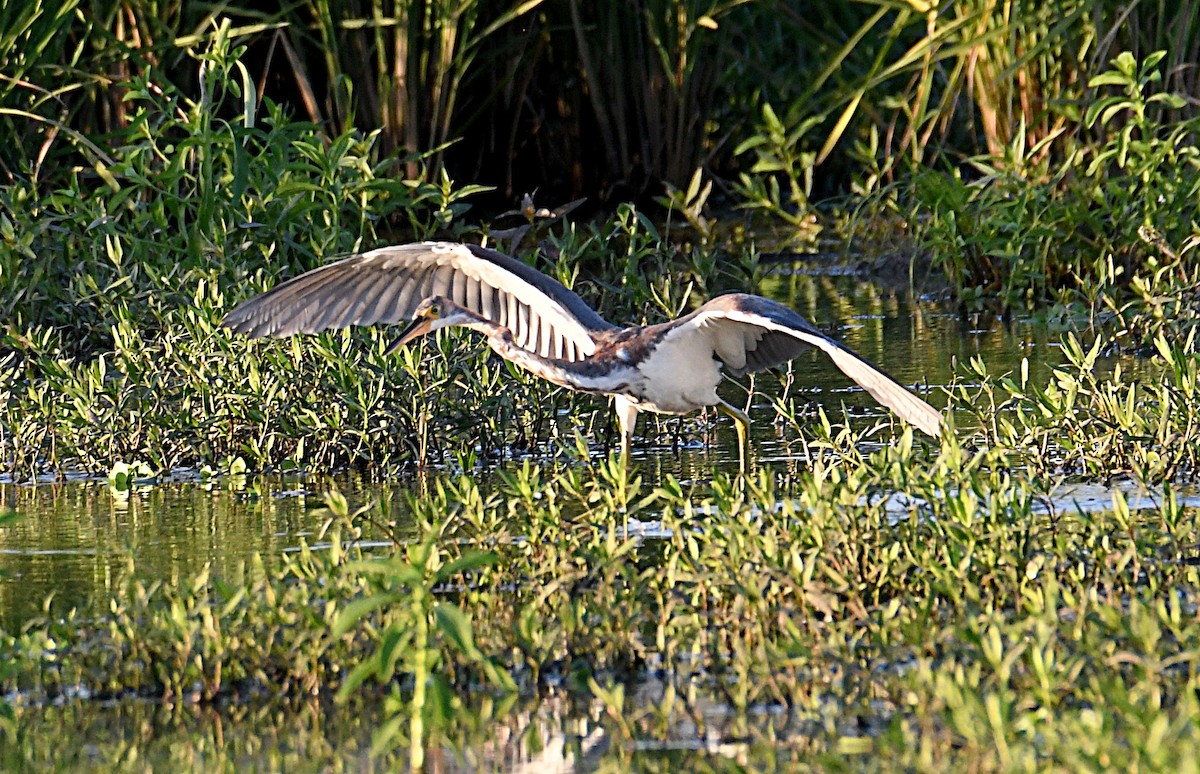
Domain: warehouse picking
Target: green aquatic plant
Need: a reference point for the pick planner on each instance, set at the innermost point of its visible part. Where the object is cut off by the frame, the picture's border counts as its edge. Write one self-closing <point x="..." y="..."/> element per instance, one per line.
<point x="956" y="604"/>
<point x="421" y="624"/>
<point x="779" y="155"/>
<point x="110" y="350"/>
<point x="172" y="389"/>
<point x="651" y="69"/>
<point x="1083" y="425"/>
<point x="1161" y="304"/>
<point x="192" y="197"/>
<point x="1023" y="228"/>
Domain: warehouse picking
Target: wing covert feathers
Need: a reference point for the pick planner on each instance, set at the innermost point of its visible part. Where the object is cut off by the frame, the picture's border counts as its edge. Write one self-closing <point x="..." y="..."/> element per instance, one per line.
<point x="387" y="285"/>
<point x="772" y="334"/>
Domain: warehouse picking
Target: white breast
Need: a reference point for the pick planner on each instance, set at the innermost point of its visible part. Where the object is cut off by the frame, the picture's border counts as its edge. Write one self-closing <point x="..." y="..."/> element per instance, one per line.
<point x="680" y="375"/>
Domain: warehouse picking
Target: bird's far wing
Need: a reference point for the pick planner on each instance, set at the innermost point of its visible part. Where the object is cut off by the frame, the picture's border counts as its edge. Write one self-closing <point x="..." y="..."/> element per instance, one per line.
<point x="751" y="333"/>
<point x="387" y="285"/>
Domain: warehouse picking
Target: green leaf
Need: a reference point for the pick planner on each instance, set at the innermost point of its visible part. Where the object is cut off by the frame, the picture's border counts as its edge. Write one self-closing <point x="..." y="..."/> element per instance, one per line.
<point x="1126" y="63"/>
<point x="839" y="127"/>
<point x="454" y="624"/>
<point x="356" y="609"/>
<point x="439" y="700"/>
<point x="472" y="560"/>
<point x="694" y="186"/>
<point x="1173" y="101"/>
<point x="357" y="677"/>
<point x="1151" y="60"/>
<point x="1097" y="107"/>
<point x="774" y="125"/>
<point x="391" y="648"/>
<point x="1108" y="78"/>
<point x="767" y="165"/>
<point x="1113" y="110"/>
<point x="385" y="736"/>
<point x="397" y="569"/>
<point x="749" y="143"/>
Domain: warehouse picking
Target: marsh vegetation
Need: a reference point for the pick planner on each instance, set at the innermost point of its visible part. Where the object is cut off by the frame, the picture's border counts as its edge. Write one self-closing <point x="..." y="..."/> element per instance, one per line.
<point x="216" y="551"/>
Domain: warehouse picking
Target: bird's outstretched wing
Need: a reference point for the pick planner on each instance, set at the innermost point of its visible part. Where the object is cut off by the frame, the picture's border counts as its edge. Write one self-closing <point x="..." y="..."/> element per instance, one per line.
<point x="752" y="333"/>
<point x="387" y="285"/>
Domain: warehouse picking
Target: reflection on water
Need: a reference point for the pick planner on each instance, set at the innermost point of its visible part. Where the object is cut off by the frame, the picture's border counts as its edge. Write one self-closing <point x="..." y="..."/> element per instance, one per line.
<point x="553" y="733"/>
<point x="74" y="541"/>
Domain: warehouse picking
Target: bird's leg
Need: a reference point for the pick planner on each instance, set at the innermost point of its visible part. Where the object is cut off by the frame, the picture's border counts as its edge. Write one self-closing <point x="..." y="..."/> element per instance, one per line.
<point x="627" y="418"/>
<point x="742" y="422"/>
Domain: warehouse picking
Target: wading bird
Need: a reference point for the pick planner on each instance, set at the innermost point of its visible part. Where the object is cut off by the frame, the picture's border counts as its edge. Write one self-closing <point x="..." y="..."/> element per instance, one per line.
<point x="545" y="328"/>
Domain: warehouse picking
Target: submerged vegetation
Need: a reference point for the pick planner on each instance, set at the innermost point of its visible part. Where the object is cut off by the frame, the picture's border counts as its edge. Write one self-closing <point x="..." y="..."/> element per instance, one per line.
<point x="931" y="607"/>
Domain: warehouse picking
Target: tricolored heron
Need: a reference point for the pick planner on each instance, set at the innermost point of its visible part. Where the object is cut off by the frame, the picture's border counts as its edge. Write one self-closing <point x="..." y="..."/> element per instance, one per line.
<point x="545" y="328"/>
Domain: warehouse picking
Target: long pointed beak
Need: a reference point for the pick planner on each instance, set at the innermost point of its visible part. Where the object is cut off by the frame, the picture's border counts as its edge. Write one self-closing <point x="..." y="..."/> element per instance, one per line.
<point x="415" y="329"/>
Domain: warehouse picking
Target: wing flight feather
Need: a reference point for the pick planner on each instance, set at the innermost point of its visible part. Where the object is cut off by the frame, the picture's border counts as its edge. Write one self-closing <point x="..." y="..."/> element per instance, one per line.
<point x="387" y="285"/>
<point x="785" y="335"/>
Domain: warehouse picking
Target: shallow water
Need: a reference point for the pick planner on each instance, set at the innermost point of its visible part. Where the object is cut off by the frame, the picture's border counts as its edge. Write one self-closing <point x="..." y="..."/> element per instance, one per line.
<point x="75" y="537"/>
<point x="73" y="540"/>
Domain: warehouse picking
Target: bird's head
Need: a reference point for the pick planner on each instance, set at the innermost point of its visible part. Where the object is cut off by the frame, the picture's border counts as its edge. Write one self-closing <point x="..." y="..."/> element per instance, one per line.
<point x="433" y="314"/>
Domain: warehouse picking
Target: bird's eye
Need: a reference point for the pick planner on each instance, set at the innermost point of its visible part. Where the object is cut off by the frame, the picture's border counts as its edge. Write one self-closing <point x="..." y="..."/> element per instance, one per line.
<point x="435" y="310"/>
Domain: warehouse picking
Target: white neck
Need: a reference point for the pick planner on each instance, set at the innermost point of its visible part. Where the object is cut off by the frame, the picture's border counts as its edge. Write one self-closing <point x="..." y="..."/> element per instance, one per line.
<point x="583" y="375"/>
